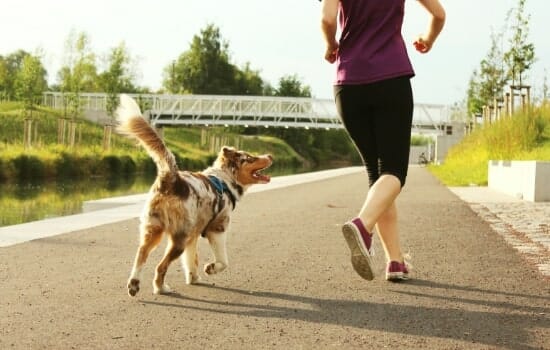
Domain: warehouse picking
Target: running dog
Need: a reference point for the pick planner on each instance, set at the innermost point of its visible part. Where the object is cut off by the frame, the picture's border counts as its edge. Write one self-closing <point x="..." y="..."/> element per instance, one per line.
<point x="186" y="205"/>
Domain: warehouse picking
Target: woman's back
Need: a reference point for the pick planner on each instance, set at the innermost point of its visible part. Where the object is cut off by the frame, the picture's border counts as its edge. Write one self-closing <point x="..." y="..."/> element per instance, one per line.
<point x="371" y="46"/>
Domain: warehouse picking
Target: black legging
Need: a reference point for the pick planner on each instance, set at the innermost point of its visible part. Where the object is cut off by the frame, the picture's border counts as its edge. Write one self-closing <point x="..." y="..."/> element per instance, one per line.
<point x="378" y="118"/>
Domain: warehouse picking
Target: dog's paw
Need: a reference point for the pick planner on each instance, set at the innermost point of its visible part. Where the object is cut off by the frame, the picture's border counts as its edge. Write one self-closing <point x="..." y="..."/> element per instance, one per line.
<point x="164" y="289"/>
<point x="213" y="268"/>
<point x="191" y="278"/>
<point x="133" y="287"/>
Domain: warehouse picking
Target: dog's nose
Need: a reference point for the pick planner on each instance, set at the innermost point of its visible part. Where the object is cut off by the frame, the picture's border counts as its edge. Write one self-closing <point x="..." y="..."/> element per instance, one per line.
<point x="270" y="157"/>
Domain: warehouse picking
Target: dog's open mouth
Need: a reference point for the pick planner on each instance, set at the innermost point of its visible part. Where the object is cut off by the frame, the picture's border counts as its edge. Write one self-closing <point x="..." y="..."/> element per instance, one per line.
<point x="260" y="177"/>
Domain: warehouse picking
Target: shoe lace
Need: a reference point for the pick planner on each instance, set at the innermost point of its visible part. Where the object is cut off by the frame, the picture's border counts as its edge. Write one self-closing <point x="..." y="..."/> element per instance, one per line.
<point x="407" y="261"/>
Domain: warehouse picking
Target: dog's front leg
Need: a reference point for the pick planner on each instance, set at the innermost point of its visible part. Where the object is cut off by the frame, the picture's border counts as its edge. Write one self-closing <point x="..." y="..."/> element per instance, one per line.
<point x="217" y="244"/>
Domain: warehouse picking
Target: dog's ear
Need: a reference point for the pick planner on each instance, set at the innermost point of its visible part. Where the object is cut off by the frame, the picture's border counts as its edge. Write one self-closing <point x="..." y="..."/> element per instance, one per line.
<point x="228" y="151"/>
<point x="227" y="158"/>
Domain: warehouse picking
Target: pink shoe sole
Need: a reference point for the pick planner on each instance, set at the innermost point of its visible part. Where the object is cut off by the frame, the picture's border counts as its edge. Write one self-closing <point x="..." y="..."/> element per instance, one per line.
<point x="360" y="255"/>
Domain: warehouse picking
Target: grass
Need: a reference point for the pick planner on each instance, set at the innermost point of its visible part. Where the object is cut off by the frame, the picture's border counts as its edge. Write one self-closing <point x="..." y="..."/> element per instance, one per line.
<point x="521" y="137"/>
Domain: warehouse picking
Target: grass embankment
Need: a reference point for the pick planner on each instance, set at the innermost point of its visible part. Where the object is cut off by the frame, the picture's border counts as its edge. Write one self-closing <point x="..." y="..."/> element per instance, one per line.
<point x="521" y="137"/>
<point x="195" y="148"/>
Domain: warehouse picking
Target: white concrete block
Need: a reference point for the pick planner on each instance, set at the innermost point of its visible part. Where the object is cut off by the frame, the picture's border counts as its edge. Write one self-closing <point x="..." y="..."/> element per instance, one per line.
<point x="528" y="180"/>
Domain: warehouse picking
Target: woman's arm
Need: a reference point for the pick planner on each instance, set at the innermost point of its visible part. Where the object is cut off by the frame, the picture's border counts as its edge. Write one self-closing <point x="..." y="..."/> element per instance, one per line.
<point x="329" y="24"/>
<point x="425" y="41"/>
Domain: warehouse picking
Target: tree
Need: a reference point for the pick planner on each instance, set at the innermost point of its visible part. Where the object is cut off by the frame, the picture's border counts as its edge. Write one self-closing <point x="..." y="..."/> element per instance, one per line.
<point x="79" y="73"/>
<point x="488" y="83"/>
<point x="521" y="54"/>
<point x="118" y="77"/>
<point x="474" y="103"/>
<point x="204" y="68"/>
<point x="30" y="82"/>
<point x="248" y="81"/>
<point x="290" y="85"/>
<point x="9" y="68"/>
<point x="3" y="79"/>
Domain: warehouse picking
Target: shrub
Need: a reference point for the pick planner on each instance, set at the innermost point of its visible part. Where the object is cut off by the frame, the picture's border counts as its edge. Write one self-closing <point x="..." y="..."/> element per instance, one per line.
<point x="3" y="175"/>
<point x="28" y="168"/>
<point x="128" y="166"/>
<point x="68" y="166"/>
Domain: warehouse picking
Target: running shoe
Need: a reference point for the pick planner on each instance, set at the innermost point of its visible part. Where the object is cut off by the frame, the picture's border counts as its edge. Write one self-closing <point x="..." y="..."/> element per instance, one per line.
<point x="360" y="244"/>
<point x="397" y="271"/>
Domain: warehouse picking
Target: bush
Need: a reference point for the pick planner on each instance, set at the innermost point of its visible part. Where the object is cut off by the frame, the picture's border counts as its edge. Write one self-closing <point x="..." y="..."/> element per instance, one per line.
<point x="65" y="166"/>
<point x="28" y="168"/>
<point x="128" y="166"/>
<point x="111" y="164"/>
<point x="419" y="140"/>
<point x="3" y="175"/>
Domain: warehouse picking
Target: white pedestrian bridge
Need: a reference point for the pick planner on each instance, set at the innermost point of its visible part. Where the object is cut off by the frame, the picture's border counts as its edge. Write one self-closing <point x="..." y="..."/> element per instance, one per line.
<point x="262" y="111"/>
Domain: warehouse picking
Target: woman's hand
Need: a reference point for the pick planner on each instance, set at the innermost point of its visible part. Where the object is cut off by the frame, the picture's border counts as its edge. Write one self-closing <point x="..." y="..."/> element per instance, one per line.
<point x="331" y="52"/>
<point x="422" y="45"/>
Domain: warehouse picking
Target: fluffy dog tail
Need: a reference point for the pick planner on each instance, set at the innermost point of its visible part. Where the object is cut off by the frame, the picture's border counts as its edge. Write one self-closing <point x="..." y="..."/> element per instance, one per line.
<point x="132" y="124"/>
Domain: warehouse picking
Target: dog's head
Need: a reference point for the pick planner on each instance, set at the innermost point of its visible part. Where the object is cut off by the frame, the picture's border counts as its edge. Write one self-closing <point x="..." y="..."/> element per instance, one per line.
<point x="245" y="168"/>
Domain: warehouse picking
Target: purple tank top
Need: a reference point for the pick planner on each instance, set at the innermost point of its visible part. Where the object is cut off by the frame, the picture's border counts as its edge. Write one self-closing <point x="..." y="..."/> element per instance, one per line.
<point x="371" y="45"/>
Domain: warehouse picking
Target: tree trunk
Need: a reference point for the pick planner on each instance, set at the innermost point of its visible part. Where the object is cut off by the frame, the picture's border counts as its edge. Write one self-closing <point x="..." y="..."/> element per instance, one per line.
<point x="61" y="127"/>
<point x="27" y="133"/>
<point x="35" y="133"/>
<point x="72" y="133"/>
<point x="107" y="130"/>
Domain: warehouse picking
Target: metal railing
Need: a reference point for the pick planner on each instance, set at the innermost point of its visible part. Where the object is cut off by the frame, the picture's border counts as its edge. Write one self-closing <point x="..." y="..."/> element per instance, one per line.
<point x="266" y="111"/>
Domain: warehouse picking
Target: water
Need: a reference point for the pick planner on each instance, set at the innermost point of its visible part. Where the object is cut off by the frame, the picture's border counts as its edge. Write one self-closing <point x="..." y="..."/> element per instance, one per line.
<point x="26" y="202"/>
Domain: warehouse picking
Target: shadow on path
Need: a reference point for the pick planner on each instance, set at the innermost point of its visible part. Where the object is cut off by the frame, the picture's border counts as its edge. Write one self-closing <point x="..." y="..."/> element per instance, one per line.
<point x="506" y="328"/>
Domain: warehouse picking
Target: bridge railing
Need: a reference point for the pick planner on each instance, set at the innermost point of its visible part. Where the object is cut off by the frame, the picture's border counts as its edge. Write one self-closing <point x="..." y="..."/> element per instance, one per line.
<point x="241" y="110"/>
<point x="266" y="111"/>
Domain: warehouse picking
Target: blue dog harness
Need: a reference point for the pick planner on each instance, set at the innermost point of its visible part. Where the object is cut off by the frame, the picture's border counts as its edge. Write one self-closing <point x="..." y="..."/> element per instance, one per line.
<point x="221" y="188"/>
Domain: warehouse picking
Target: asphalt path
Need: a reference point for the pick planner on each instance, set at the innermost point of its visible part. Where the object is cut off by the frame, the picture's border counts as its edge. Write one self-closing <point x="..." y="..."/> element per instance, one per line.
<point x="290" y="284"/>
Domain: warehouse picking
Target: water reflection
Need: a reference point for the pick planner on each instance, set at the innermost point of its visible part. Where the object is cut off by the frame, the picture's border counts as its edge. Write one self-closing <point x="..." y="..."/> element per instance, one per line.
<point x="33" y="201"/>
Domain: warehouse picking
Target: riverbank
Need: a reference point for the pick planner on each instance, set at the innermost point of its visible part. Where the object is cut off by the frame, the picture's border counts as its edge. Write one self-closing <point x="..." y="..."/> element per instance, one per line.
<point x="115" y="209"/>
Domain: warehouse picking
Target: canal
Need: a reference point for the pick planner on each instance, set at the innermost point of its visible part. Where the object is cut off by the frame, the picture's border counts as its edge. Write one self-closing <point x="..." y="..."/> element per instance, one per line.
<point x="32" y="201"/>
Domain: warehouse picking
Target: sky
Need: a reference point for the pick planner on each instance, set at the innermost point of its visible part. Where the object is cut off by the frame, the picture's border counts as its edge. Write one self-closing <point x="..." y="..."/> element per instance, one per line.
<point x="278" y="38"/>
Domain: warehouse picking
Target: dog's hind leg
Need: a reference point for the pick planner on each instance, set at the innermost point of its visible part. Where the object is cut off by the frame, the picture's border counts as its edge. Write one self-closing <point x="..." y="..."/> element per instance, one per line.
<point x="151" y="236"/>
<point x="217" y="243"/>
<point x="173" y="251"/>
<point x="190" y="262"/>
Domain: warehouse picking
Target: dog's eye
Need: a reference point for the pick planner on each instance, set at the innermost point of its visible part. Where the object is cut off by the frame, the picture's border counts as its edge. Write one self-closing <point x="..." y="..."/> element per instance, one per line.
<point x="249" y="159"/>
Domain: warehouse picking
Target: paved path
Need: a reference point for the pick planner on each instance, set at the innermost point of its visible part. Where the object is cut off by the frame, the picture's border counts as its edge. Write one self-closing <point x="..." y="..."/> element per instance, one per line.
<point x="289" y="285"/>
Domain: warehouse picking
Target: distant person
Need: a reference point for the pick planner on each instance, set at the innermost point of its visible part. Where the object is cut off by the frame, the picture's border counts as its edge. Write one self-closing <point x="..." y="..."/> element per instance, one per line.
<point x="422" y="159"/>
<point x="374" y="99"/>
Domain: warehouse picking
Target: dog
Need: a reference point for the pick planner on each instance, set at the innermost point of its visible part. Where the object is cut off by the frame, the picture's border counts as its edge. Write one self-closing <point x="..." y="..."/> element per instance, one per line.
<point x="186" y="205"/>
